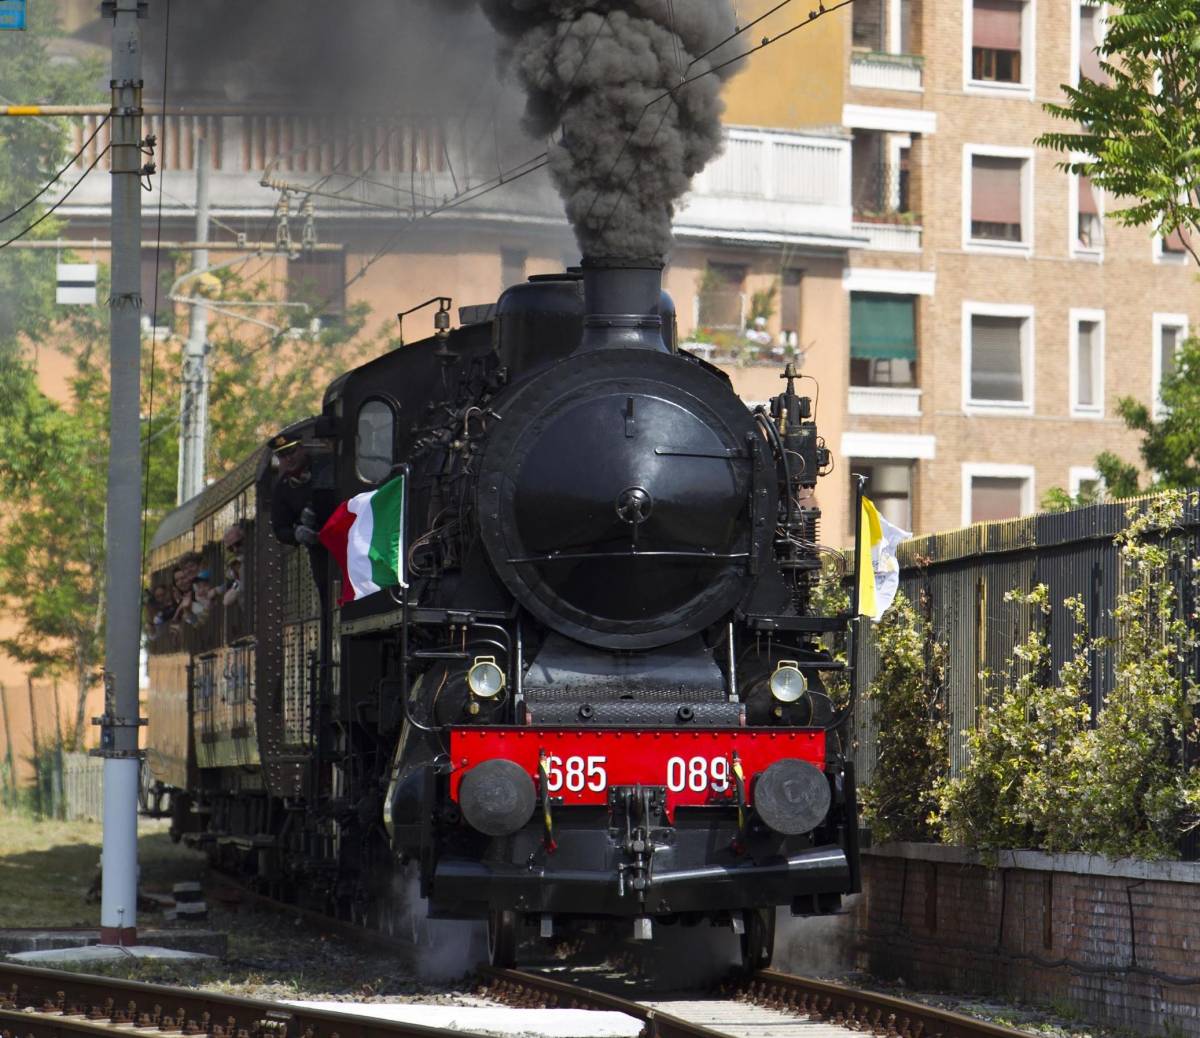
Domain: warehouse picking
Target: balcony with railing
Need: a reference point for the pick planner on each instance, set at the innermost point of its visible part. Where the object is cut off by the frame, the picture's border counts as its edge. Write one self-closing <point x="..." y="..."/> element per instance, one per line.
<point x="882" y="71"/>
<point x="383" y="163"/>
<point x="770" y="185"/>
<point x="883" y="211"/>
<point x="882" y="38"/>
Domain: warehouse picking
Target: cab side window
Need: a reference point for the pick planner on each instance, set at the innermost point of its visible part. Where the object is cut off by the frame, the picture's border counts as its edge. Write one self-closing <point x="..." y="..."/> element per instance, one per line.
<point x="374" y="440"/>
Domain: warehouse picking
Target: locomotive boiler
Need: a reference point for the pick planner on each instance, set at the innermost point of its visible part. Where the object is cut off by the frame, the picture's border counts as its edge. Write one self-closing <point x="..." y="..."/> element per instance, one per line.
<point x="602" y="693"/>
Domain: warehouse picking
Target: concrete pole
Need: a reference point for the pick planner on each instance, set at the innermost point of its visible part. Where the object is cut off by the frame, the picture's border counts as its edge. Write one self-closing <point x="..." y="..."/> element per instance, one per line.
<point x="193" y="400"/>
<point x="122" y="635"/>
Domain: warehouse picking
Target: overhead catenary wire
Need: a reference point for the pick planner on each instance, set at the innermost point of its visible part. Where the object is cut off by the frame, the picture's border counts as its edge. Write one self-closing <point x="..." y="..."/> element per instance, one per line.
<point x="687" y="79"/>
<point x="57" y="176"/>
<point x="542" y="159"/>
<point x="50" y="210"/>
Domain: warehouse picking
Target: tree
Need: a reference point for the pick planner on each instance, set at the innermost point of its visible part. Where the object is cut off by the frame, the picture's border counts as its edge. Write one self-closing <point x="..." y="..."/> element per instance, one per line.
<point x="32" y="150"/>
<point x="1138" y="134"/>
<point x="1138" y="138"/>
<point x="53" y="463"/>
<point x="53" y="460"/>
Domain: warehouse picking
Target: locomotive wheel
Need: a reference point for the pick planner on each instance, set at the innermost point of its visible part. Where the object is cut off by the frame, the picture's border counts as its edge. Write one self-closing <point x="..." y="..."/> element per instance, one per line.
<point x="758" y="938"/>
<point x="502" y="938"/>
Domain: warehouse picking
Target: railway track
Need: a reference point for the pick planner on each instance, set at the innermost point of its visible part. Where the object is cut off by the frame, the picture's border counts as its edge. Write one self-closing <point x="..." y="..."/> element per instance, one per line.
<point x="768" y="1004"/>
<point x="42" y="1003"/>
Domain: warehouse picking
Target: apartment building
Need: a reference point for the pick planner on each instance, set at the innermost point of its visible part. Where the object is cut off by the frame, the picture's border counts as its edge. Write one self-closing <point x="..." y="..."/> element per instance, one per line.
<point x="996" y="316"/>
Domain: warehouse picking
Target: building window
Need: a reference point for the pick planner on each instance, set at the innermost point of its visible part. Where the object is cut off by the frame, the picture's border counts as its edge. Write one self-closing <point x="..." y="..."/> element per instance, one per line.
<point x="999" y="354"/>
<point x="997" y="199"/>
<point x="993" y="492"/>
<point x="883" y="340"/>
<point x="512" y="267"/>
<point x="1174" y="247"/>
<point x="996" y="497"/>
<point x="789" y="306"/>
<point x="1169" y="332"/>
<point x="721" y="300"/>
<point x="997" y="29"/>
<point x="889" y="486"/>
<point x="1087" y="362"/>
<point x="1085" y="484"/>
<point x="1091" y="36"/>
<point x="1089" y="231"/>
<point x="319" y="280"/>
<point x="869" y="24"/>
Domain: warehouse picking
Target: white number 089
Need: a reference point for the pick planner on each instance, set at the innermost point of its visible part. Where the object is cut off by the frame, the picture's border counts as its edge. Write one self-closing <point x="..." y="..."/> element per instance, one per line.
<point x="698" y="774"/>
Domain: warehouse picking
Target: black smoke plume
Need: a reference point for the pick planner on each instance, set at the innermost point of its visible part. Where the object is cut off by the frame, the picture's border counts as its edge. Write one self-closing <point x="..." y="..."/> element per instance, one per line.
<point x="592" y="71"/>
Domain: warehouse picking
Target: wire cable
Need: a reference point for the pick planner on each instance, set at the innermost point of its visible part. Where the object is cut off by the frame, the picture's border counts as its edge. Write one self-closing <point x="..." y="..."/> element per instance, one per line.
<point x="57" y="176"/>
<point x="685" y="80"/>
<point x="542" y="159"/>
<point x="154" y="306"/>
<point x="50" y="211"/>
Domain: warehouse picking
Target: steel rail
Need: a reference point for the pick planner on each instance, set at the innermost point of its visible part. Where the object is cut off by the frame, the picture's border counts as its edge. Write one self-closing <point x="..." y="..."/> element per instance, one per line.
<point x="860" y="1010"/>
<point x="532" y="990"/>
<point x="43" y="1003"/>
<point x="855" y="1009"/>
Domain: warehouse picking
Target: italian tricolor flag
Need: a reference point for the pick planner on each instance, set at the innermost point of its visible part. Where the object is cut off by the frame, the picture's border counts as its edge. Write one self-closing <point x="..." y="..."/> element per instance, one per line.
<point x="366" y="537"/>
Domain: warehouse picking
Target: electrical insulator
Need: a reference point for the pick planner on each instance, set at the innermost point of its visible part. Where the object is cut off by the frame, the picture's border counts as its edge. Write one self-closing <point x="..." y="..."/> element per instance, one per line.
<point x="283" y="236"/>
<point x="308" y="237"/>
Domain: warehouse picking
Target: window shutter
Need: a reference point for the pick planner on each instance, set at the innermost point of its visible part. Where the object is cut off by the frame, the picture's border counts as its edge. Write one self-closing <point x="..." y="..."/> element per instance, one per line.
<point x="995" y="189"/>
<point x="996" y="361"/>
<point x="882" y="327"/>
<point x="1089" y="39"/>
<point x="997" y="24"/>
<point x="1085" y="392"/>
<point x="1174" y="242"/>
<point x="789" y="301"/>
<point x="1087" y="198"/>
<point x="995" y="497"/>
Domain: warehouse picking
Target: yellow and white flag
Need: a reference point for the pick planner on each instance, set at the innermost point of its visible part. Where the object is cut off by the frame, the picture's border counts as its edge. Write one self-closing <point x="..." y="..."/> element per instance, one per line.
<point x="878" y="570"/>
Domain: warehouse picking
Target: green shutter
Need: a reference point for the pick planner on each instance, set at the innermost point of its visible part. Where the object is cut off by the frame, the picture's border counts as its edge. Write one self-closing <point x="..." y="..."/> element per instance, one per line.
<point x="882" y="327"/>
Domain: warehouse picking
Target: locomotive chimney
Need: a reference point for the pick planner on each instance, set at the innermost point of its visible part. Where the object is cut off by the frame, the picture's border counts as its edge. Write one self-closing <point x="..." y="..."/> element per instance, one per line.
<point x="623" y="304"/>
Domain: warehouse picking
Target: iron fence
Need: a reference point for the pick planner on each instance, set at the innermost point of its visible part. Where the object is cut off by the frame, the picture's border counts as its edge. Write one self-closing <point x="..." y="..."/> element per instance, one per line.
<point x="957" y="581"/>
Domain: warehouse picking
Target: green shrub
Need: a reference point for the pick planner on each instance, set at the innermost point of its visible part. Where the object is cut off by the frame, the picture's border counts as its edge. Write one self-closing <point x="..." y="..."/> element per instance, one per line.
<point x="908" y="701"/>
<point x="1137" y="793"/>
<point x="1039" y="776"/>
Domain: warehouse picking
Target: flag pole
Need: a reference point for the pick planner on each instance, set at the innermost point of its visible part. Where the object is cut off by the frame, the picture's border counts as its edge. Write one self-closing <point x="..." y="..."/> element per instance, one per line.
<point x="860" y="481"/>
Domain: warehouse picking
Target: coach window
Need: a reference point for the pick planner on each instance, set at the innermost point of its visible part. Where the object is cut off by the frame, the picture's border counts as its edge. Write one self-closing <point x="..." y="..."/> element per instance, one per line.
<point x="373" y="444"/>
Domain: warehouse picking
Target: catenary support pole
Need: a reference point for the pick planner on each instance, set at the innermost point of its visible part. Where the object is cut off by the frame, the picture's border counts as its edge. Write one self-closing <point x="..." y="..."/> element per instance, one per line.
<point x="119" y="726"/>
<point x="193" y="399"/>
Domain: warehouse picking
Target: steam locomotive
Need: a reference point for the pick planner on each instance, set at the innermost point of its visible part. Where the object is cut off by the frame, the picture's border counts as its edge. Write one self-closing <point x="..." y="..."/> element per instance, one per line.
<point x="603" y="693"/>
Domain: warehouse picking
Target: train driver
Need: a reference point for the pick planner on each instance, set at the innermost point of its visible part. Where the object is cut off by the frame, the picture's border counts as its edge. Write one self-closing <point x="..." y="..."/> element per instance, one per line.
<point x="302" y="499"/>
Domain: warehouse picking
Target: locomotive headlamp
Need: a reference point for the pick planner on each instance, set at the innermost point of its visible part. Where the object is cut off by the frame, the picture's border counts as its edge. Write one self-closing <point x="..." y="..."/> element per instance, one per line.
<point x="788" y="683"/>
<point x="485" y="679"/>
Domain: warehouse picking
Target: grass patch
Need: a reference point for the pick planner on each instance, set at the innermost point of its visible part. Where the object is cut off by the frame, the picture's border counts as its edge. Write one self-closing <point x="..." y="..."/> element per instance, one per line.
<point x="47" y="868"/>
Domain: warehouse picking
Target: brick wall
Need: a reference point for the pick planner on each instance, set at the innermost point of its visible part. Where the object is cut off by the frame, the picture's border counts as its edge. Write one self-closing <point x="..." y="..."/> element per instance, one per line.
<point x="1103" y="939"/>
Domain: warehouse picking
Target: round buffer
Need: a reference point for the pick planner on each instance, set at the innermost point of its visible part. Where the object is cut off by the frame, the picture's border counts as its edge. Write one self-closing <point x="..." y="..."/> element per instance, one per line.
<point x="497" y="797"/>
<point x="792" y="796"/>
